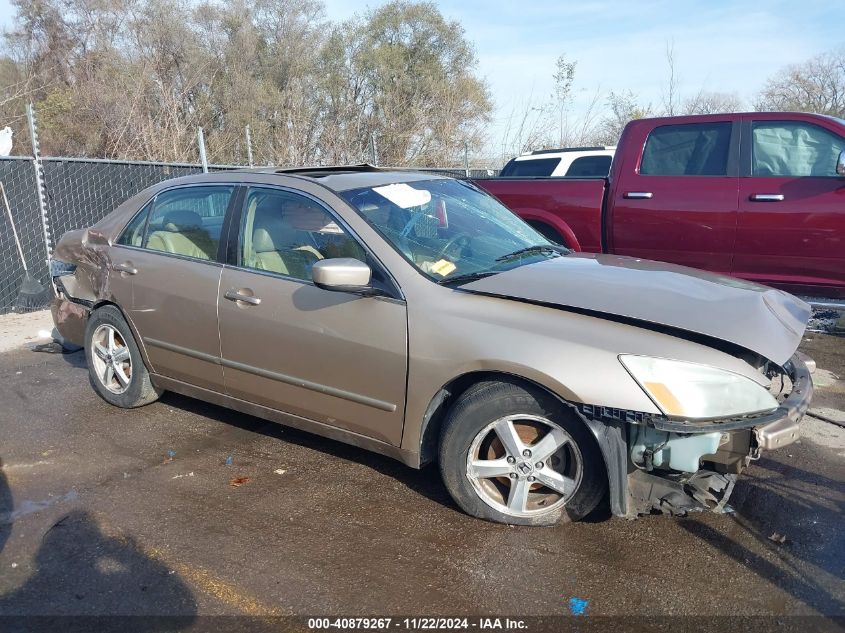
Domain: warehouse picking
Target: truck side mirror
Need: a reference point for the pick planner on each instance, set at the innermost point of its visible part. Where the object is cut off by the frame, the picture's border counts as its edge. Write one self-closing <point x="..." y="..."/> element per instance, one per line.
<point x="840" y="164"/>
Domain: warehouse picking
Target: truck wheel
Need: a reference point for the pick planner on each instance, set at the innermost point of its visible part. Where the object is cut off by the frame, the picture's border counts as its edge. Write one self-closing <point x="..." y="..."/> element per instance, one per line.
<point x="115" y="367"/>
<point x="513" y="454"/>
<point x="549" y="233"/>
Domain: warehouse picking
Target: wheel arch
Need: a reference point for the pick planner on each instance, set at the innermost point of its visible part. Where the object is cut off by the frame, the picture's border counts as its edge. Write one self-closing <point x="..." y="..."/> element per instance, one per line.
<point x="553" y="222"/>
<point x="138" y="340"/>
<point x="609" y="436"/>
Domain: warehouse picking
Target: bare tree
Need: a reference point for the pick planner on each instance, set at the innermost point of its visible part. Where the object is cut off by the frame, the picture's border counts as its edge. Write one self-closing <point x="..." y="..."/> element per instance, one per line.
<point x="563" y="77"/>
<point x="816" y="85"/>
<point x="712" y="103"/>
<point x="135" y="78"/>
<point x="623" y="107"/>
<point x="670" y="96"/>
<point x="529" y="127"/>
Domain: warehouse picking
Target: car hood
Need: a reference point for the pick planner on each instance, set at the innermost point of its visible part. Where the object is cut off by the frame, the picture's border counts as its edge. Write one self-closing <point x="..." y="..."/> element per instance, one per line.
<point x="764" y="320"/>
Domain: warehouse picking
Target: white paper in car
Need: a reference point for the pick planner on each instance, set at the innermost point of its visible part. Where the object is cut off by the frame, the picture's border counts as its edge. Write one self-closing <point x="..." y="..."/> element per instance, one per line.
<point x="404" y="196"/>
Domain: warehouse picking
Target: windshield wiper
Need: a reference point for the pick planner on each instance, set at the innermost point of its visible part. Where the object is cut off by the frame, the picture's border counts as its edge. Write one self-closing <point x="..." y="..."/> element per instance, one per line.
<point x="468" y="277"/>
<point x="536" y="248"/>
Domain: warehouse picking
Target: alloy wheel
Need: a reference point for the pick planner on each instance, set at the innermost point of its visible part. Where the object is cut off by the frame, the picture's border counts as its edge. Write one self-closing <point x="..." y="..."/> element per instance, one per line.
<point x="112" y="359"/>
<point x="524" y="465"/>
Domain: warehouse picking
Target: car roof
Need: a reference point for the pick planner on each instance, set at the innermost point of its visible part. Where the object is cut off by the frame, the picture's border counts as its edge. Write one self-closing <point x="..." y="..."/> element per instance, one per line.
<point x="346" y="177"/>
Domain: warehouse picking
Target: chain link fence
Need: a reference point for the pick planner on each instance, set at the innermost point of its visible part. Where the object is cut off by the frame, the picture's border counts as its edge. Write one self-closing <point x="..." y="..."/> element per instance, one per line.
<point x="18" y="178"/>
<point x="79" y="192"/>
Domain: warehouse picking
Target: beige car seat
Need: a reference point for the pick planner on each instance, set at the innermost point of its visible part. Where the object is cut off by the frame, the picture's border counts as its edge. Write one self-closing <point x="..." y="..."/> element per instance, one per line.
<point x="276" y="246"/>
<point x="182" y="233"/>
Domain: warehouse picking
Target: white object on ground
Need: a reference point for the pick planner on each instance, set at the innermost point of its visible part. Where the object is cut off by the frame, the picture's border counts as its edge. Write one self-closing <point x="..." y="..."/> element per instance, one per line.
<point x="16" y="330"/>
<point x="6" y="141"/>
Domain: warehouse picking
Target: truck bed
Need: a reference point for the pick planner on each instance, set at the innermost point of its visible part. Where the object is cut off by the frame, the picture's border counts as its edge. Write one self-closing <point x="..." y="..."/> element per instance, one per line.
<point x="571" y="207"/>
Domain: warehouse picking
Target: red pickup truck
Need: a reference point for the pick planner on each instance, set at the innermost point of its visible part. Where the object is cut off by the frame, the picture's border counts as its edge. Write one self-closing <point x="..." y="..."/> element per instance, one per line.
<point x="759" y="196"/>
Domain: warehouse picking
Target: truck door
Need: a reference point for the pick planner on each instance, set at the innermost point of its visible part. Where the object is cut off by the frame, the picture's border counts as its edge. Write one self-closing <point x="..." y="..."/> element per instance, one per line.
<point x="791" y="206"/>
<point x="677" y="201"/>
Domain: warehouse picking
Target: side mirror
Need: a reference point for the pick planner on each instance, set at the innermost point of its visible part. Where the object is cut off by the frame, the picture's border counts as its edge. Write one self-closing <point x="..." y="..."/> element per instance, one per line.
<point x="343" y="274"/>
<point x="840" y="164"/>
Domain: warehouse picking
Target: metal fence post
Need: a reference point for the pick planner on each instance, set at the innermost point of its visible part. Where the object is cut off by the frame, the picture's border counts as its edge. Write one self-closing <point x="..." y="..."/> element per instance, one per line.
<point x="373" y="152"/>
<point x="39" y="179"/>
<point x="248" y="145"/>
<point x="466" y="159"/>
<point x="201" y="144"/>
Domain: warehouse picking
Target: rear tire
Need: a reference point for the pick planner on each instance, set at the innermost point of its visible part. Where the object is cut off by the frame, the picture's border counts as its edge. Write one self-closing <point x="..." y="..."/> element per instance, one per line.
<point x="115" y="366"/>
<point x="513" y="454"/>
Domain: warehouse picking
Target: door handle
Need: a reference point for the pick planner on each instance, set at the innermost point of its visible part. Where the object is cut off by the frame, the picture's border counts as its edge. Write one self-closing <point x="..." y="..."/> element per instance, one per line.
<point x="767" y="197"/>
<point x="638" y="195"/>
<point x="126" y="268"/>
<point x="239" y="296"/>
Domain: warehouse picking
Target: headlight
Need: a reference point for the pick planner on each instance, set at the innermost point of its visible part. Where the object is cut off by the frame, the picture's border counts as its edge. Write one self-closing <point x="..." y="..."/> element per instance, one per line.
<point x="689" y="390"/>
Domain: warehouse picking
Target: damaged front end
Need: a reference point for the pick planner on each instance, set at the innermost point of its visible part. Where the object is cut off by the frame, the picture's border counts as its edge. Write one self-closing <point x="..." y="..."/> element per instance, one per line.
<point x="677" y="466"/>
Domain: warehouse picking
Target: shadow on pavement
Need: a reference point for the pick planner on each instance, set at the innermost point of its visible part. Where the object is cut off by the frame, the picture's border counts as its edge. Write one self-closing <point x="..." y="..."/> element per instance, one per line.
<point x="801" y="505"/>
<point x="80" y="571"/>
<point x="6" y="505"/>
<point x="425" y="481"/>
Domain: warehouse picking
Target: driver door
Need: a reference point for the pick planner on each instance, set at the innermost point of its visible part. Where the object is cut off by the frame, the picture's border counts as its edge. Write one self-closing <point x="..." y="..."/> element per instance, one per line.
<point x="333" y="357"/>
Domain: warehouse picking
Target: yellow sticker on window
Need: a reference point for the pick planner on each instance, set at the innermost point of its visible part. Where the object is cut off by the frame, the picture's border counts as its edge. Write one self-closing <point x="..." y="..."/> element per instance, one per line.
<point x="443" y="267"/>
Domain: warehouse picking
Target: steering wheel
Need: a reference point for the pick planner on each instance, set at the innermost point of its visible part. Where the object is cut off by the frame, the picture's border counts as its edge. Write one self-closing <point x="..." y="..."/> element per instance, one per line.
<point x="461" y="241"/>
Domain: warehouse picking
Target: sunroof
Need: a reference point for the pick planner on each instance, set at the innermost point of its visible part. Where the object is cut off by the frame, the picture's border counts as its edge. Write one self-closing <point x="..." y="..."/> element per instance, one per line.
<point x="322" y="172"/>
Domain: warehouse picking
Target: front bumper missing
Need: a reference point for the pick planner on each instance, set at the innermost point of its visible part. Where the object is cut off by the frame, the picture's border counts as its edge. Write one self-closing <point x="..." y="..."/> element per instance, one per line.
<point x="676" y="493"/>
<point x="785" y="429"/>
<point x="775" y="429"/>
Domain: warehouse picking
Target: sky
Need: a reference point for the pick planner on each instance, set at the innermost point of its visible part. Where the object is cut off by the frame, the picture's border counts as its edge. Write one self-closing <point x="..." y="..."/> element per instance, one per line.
<point x="719" y="45"/>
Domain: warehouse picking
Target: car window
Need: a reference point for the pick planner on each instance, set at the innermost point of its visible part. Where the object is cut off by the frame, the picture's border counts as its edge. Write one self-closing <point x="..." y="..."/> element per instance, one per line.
<point x="185" y="221"/>
<point x="693" y="149"/>
<point x="532" y="168"/>
<point x="788" y="148"/>
<point x="589" y="167"/>
<point x="133" y="234"/>
<point x="286" y="233"/>
<point x="448" y="228"/>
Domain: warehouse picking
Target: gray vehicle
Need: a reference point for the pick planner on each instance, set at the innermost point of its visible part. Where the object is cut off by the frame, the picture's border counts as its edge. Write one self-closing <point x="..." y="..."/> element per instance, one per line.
<point x="415" y="316"/>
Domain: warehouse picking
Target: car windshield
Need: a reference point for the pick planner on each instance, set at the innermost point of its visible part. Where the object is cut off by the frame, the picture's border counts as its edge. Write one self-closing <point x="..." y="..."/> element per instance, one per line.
<point x="449" y="230"/>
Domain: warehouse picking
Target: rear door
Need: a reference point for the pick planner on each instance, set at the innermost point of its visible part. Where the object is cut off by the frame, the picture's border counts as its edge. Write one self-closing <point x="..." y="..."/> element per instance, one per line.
<point x="334" y="357"/>
<point x="677" y="202"/>
<point x="166" y="272"/>
<point x="791" y="205"/>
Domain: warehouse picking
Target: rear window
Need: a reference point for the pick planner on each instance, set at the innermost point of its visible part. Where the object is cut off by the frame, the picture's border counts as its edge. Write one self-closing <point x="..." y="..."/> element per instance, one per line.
<point x="695" y="149"/>
<point x="539" y="168"/>
<point x="589" y="167"/>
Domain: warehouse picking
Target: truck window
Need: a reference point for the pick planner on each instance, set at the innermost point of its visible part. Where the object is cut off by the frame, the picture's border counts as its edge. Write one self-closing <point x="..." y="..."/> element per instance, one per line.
<point x="589" y="167"/>
<point x="791" y="148"/>
<point x="692" y="149"/>
<point x="539" y="168"/>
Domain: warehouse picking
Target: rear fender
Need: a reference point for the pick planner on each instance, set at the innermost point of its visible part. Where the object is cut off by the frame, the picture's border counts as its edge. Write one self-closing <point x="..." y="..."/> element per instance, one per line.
<point x="554" y="221"/>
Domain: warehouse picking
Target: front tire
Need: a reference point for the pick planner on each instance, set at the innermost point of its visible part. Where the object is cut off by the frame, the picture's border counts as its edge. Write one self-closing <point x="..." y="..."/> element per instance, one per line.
<point x="513" y="454"/>
<point x="115" y="366"/>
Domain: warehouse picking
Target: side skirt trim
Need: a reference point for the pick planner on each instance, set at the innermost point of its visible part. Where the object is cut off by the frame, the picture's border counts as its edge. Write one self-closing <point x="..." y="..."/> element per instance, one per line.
<point x="272" y="375"/>
<point x="288" y="419"/>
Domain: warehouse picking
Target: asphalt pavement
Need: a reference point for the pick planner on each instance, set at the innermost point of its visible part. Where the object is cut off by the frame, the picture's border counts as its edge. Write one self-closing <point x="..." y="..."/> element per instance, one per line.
<point x="184" y="508"/>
